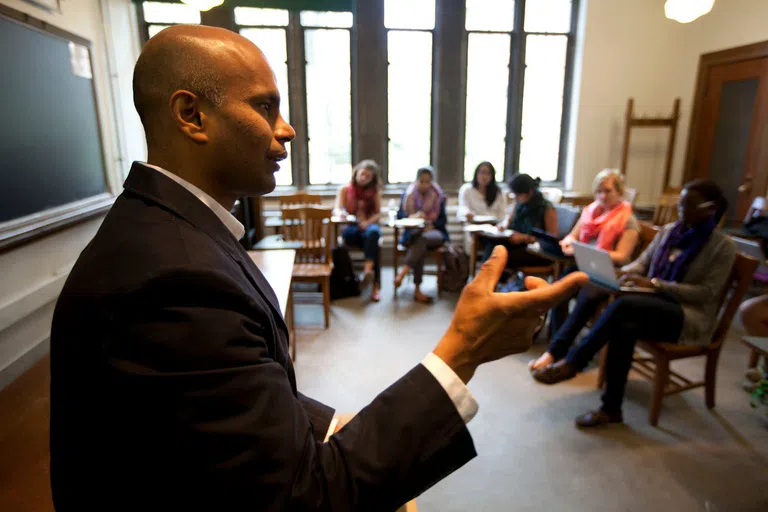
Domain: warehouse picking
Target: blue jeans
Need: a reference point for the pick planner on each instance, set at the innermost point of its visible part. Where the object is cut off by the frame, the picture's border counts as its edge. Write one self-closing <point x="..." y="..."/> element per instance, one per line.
<point x="368" y="241"/>
<point x="629" y="318"/>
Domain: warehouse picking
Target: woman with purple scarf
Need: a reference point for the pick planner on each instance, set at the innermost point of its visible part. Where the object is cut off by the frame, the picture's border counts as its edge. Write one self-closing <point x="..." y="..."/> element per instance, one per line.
<point x="423" y="199"/>
<point x="687" y="264"/>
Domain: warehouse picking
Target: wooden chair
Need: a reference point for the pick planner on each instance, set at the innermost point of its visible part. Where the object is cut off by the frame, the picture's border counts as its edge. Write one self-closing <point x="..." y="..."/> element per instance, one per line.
<point x="647" y="233"/>
<point x="311" y="225"/>
<point x="300" y="199"/>
<point x="666" y="210"/>
<point x="655" y="365"/>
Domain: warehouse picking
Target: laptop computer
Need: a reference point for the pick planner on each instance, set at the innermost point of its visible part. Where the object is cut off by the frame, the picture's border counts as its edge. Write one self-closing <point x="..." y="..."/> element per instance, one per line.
<point x="597" y="264"/>
<point x="548" y="243"/>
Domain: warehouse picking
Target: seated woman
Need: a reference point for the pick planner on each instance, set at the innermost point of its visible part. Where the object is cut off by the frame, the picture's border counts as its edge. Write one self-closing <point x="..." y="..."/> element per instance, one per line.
<point x="361" y="197"/>
<point x="532" y="210"/>
<point x="688" y="264"/>
<point x="608" y="223"/>
<point x="483" y="196"/>
<point x="422" y="200"/>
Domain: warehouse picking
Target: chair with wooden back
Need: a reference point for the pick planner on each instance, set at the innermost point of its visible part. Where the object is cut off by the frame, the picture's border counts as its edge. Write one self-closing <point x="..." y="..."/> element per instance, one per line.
<point x="652" y="360"/>
<point x="647" y="233"/>
<point x="666" y="210"/>
<point x="300" y="199"/>
<point x="311" y="225"/>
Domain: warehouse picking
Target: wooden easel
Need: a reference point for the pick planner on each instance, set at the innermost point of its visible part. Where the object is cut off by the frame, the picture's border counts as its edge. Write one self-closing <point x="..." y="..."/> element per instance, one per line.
<point x="651" y="122"/>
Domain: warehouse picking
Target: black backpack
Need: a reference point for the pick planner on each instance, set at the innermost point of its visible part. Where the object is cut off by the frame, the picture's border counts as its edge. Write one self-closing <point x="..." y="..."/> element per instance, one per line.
<point x="455" y="269"/>
<point x="344" y="282"/>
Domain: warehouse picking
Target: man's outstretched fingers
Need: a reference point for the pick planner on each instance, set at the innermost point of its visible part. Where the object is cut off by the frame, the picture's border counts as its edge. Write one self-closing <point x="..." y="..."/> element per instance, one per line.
<point x="544" y="297"/>
<point x="532" y="283"/>
<point x="491" y="270"/>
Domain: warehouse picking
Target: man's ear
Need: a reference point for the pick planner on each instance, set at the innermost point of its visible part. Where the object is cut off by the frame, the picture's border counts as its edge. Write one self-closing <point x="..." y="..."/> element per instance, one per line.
<point x="185" y="109"/>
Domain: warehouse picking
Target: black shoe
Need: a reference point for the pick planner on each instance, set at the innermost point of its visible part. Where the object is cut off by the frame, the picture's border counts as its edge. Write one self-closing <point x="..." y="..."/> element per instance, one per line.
<point x="554" y="373"/>
<point x="596" y="418"/>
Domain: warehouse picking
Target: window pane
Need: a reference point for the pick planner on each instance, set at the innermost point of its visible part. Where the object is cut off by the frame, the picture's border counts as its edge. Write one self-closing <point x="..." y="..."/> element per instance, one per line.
<point x="497" y="15"/>
<point x="159" y="12"/>
<point x="409" y="103"/>
<point x="542" y="105"/>
<point x="409" y="14"/>
<point x="548" y="16"/>
<point x="271" y="41"/>
<point x="487" y="89"/>
<point x="326" y="19"/>
<point x="154" y="29"/>
<point x="258" y="17"/>
<point x="329" y="110"/>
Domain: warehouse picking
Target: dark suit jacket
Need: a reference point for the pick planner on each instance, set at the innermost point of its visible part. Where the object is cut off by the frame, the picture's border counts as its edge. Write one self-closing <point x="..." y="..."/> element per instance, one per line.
<point x="172" y="388"/>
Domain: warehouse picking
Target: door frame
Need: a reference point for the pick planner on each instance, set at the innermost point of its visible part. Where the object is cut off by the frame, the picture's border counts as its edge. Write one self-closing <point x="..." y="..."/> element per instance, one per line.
<point x="706" y="62"/>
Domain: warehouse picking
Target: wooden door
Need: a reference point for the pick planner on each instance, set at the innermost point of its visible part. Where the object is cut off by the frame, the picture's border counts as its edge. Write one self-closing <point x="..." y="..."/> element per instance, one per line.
<point x="728" y="133"/>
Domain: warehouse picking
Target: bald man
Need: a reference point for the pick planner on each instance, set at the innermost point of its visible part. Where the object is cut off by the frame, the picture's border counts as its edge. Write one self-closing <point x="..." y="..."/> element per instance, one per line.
<point x="171" y="384"/>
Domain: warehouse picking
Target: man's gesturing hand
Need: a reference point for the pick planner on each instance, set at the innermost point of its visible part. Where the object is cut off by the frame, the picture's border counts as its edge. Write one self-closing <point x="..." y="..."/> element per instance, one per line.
<point x="487" y="326"/>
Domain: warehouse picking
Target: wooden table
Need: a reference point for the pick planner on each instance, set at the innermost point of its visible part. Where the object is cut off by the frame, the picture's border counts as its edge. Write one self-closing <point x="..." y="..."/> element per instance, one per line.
<point x="277" y="267"/>
<point x="276" y="243"/>
<point x="758" y="346"/>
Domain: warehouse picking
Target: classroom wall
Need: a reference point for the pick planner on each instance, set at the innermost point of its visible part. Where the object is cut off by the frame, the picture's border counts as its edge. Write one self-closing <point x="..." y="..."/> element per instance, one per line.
<point x="34" y="273"/>
<point x="631" y="49"/>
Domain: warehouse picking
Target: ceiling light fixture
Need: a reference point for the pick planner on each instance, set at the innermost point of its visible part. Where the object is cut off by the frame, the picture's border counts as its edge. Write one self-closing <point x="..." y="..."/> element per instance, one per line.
<point x="685" y="11"/>
<point x="203" y="5"/>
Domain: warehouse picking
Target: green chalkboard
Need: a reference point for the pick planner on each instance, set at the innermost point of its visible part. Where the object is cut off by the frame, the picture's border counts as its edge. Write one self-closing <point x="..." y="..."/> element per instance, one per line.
<point x="50" y="143"/>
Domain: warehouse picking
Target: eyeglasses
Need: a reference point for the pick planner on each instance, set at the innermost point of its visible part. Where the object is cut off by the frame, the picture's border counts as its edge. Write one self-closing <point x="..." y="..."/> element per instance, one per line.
<point x="700" y="206"/>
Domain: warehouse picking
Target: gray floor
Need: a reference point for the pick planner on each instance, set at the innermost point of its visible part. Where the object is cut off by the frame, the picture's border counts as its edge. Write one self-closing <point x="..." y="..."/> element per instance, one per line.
<point x="530" y="457"/>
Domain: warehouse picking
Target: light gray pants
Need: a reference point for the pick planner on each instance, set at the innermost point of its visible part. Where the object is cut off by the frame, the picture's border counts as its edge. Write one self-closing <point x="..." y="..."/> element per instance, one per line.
<point x="418" y="250"/>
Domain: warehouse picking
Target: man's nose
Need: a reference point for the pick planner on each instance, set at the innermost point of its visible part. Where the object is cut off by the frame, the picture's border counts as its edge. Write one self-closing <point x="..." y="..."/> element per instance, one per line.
<point x="284" y="132"/>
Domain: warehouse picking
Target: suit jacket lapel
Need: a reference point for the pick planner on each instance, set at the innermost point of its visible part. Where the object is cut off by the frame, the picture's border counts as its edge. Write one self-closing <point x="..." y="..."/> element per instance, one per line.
<point x="153" y="185"/>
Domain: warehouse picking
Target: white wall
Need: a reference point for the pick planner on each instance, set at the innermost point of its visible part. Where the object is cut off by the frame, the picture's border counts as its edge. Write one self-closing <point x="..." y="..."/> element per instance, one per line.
<point x="631" y="50"/>
<point x="33" y="274"/>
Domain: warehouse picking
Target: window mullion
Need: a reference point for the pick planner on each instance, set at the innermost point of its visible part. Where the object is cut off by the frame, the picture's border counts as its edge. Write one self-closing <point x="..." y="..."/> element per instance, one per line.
<point x="516" y="81"/>
<point x="297" y="85"/>
<point x="565" y="120"/>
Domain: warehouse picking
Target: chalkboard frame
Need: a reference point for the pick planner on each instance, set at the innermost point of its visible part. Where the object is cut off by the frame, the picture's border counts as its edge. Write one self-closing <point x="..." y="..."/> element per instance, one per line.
<point x="30" y="227"/>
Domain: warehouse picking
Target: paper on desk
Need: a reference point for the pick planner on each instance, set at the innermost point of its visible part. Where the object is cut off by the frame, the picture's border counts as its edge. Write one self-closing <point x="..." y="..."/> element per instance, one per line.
<point x="488" y="230"/>
<point x="410" y="223"/>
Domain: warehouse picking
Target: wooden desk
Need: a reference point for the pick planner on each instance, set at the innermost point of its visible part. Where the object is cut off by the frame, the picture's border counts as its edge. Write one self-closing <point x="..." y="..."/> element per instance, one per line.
<point x="277" y="267"/>
<point x="757" y="347"/>
<point x="337" y="221"/>
<point x="276" y="243"/>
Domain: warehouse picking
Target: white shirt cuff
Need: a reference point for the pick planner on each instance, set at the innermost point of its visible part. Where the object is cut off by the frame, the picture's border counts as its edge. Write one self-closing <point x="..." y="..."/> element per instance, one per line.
<point x="457" y="391"/>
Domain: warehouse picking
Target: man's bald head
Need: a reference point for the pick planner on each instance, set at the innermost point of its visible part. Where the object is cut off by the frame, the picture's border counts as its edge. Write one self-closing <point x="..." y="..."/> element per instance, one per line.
<point x="211" y="111"/>
<point x="183" y="57"/>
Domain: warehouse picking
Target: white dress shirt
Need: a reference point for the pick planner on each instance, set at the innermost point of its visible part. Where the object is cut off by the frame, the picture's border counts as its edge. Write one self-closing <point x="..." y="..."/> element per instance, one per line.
<point x="471" y="200"/>
<point x="458" y="392"/>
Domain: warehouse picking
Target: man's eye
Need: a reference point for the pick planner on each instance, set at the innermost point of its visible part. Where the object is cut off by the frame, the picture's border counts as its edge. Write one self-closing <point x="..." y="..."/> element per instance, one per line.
<point x="266" y="107"/>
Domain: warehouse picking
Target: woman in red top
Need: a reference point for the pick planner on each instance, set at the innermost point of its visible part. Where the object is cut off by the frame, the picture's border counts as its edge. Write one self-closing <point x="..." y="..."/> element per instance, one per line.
<point x="361" y="197"/>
